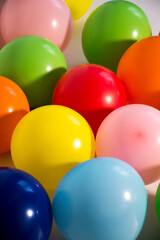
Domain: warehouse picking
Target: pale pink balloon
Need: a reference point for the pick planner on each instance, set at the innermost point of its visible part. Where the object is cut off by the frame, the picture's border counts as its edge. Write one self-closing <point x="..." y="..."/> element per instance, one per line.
<point x="50" y="19"/>
<point x="132" y="134"/>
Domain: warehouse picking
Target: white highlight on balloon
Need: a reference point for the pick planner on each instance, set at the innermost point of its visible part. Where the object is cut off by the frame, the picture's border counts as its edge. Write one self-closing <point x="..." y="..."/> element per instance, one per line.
<point x="49" y="68"/>
<point x="30" y="213"/>
<point x="127" y="196"/>
<point x="77" y="143"/>
<point x="108" y="99"/>
<point x="54" y="23"/>
<point x="10" y="110"/>
<point x="135" y="34"/>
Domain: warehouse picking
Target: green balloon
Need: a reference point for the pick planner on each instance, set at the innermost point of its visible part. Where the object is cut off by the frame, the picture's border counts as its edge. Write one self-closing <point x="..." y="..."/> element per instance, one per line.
<point x="157" y="202"/>
<point x="35" y="64"/>
<point x="111" y="29"/>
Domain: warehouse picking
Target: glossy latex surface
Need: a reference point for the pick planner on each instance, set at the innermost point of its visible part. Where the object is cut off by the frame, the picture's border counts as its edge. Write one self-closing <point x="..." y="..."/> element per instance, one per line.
<point x="25" y="208"/>
<point x="13" y="106"/>
<point x="111" y="29"/>
<point x="78" y="8"/>
<point x="45" y="18"/>
<point x="50" y="141"/>
<point x="102" y="198"/>
<point x="132" y="134"/>
<point x="35" y="64"/>
<point x="91" y="90"/>
<point x="139" y="71"/>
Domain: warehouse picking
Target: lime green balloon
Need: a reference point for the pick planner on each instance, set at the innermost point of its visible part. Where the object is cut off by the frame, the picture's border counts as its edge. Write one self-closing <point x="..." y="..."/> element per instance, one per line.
<point x="35" y="64"/>
<point x="157" y="202"/>
<point x="111" y="29"/>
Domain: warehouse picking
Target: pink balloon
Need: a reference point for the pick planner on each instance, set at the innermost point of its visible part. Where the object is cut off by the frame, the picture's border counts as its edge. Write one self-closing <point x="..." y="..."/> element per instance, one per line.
<point x="50" y="19"/>
<point x="132" y="134"/>
<point x="1" y="39"/>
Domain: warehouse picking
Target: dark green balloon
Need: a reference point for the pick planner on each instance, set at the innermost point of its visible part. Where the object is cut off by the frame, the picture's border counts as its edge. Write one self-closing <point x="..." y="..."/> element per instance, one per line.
<point x="157" y="202"/>
<point x="111" y="29"/>
<point x="35" y="64"/>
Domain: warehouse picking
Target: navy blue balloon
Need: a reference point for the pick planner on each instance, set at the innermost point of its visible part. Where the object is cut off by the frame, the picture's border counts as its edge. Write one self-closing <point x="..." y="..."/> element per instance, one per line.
<point x="100" y="199"/>
<point x="25" y="208"/>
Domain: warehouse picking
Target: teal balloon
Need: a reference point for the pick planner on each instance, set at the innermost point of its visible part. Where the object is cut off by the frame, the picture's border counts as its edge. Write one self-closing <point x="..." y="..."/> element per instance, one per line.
<point x="35" y="64"/>
<point x="111" y="29"/>
<point x="100" y="199"/>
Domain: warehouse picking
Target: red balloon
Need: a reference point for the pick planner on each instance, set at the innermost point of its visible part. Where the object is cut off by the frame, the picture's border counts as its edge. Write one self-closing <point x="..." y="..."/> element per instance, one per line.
<point x="91" y="90"/>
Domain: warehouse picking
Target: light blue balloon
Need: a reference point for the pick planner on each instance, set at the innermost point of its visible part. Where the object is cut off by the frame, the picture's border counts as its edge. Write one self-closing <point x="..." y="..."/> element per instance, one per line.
<point x="100" y="199"/>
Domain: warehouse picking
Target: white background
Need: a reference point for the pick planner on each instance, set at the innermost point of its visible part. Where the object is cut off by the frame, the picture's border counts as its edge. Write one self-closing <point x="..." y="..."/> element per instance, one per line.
<point x="74" y="56"/>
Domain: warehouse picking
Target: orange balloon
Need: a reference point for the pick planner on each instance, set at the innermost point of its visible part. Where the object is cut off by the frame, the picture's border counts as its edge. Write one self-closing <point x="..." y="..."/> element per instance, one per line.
<point x="6" y="160"/>
<point x="13" y="106"/>
<point x="139" y="69"/>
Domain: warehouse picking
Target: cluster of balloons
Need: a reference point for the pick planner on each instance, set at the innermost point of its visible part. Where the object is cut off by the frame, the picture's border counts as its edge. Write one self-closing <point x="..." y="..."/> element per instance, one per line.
<point x="78" y="117"/>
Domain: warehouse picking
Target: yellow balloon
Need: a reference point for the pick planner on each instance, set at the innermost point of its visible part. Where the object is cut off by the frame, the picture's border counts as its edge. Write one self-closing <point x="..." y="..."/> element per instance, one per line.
<point x="49" y="141"/>
<point x="78" y="7"/>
